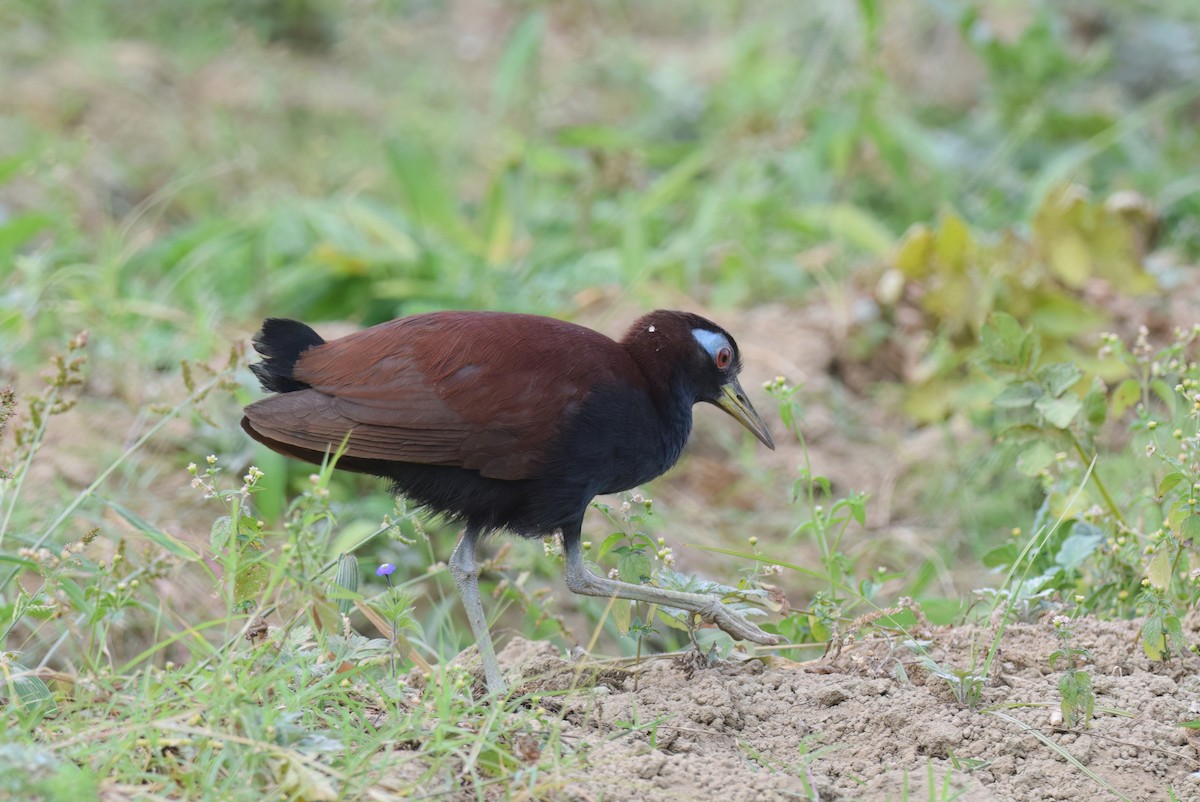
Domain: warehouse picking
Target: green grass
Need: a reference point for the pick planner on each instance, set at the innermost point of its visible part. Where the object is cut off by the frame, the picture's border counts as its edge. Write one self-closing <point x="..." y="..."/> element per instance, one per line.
<point x="168" y="176"/>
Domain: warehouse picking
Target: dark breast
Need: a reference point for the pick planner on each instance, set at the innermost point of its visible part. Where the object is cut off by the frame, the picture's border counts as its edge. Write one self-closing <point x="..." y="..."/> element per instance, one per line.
<point x="504" y="421"/>
<point x="616" y="441"/>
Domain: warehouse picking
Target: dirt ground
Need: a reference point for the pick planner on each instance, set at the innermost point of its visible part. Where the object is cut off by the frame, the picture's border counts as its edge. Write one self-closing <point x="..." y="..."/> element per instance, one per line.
<point x="872" y="724"/>
<point x="869" y="723"/>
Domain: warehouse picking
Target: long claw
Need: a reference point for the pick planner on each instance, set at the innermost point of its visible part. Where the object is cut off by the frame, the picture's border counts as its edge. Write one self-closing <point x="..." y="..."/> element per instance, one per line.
<point x="710" y="608"/>
<point x="736" y="624"/>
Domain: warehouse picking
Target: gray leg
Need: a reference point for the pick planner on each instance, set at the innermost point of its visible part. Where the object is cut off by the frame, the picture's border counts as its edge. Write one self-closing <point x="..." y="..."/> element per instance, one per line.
<point x="709" y="608"/>
<point x="466" y="577"/>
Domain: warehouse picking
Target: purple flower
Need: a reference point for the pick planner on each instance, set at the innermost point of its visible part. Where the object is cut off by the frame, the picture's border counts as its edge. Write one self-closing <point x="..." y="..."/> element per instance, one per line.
<point x="387" y="569"/>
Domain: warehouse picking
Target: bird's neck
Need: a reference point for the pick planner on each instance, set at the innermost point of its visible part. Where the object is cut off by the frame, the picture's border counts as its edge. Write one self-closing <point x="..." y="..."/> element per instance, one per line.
<point x="675" y="402"/>
<point x="654" y="348"/>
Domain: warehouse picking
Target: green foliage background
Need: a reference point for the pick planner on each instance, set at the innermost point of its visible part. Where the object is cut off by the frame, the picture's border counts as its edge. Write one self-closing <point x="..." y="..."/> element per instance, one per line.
<point x="985" y="186"/>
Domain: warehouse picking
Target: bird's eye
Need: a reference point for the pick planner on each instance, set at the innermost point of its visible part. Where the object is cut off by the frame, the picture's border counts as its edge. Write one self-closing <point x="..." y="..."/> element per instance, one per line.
<point x="724" y="357"/>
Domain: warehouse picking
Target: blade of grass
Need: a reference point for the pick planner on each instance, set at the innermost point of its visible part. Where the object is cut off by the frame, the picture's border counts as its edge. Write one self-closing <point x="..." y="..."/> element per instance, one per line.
<point x="1057" y="748"/>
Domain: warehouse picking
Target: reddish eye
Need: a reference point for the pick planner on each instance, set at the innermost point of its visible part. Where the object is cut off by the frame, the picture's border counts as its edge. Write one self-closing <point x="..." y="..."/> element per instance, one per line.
<point x="724" y="357"/>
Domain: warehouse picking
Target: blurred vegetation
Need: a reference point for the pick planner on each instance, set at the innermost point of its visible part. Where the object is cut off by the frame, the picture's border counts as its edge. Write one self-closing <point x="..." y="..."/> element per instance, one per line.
<point x="981" y="187"/>
<point x="220" y="169"/>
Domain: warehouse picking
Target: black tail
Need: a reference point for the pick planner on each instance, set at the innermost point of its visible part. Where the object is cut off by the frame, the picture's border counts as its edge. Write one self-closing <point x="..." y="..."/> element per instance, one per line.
<point x="281" y="342"/>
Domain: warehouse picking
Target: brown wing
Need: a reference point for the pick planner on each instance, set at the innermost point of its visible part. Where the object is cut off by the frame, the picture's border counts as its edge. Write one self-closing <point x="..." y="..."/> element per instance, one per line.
<point x="480" y="390"/>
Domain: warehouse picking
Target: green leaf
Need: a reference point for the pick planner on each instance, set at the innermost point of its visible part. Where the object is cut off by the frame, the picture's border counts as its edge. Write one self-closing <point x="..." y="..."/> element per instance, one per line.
<point x="1166" y="393"/>
<point x="915" y="252"/>
<point x="1059" y="412"/>
<point x="1174" y="629"/>
<point x="1180" y="511"/>
<point x="1024" y="394"/>
<point x="674" y="622"/>
<point x="1069" y="259"/>
<point x="1190" y="528"/>
<point x="1079" y="545"/>
<point x="252" y="577"/>
<point x="1159" y="572"/>
<point x="1169" y="482"/>
<point x="299" y="780"/>
<point x="1153" y="640"/>
<point x="1059" y="377"/>
<point x="1003" y="339"/>
<point x="634" y="567"/>
<point x="1034" y="458"/>
<point x="27" y="689"/>
<point x="1128" y="393"/>
<point x="1095" y="410"/>
<point x="622" y="613"/>
<point x="1059" y="317"/>
<point x="953" y="242"/>
<point x="858" y="508"/>
<point x="249" y="532"/>
<point x="1001" y="556"/>
<point x="609" y="544"/>
<point x="219" y="534"/>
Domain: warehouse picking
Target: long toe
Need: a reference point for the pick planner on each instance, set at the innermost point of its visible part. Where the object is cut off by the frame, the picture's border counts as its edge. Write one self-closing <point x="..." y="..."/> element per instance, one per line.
<point x="737" y="626"/>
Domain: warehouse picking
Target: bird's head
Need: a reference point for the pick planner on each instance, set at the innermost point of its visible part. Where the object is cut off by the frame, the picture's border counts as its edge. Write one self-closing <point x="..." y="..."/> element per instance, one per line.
<point x="687" y="349"/>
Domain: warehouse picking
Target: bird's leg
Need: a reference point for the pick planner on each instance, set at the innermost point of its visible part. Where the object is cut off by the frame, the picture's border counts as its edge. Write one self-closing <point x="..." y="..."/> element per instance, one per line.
<point x="709" y="608"/>
<point x="466" y="577"/>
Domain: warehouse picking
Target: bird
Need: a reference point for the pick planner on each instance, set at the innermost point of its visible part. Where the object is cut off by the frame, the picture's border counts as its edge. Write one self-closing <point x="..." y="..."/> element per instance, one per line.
<point x="505" y="422"/>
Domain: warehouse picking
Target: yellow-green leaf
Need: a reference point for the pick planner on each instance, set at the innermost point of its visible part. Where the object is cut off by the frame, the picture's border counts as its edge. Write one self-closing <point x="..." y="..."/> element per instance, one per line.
<point x="1059" y="412"/>
<point x="953" y="242"/>
<point x="301" y="780"/>
<point x="1069" y="259"/>
<point x="634" y="567"/>
<point x="916" y="248"/>
<point x="1126" y="395"/>
<point x="1169" y="482"/>
<point x="1154" y="641"/>
<point x="1190" y="528"/>
<point x="1159" y="572"/>
<point x="1033" y="459"/>
<point x="1002" y="338"/>
<point x="622" y="613"/>
<point x="1180" y="511"/>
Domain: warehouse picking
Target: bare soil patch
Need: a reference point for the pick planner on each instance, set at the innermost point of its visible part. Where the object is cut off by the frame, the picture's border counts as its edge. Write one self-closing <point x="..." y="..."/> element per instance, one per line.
<point x="857" y="727"/>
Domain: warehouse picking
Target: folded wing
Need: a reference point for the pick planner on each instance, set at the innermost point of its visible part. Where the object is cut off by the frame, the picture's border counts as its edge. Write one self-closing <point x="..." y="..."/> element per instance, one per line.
<point x="465" y="389"/>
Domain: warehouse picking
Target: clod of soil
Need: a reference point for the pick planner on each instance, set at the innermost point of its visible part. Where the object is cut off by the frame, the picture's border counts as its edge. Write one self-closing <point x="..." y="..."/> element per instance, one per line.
<point x="874" y="724"/>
